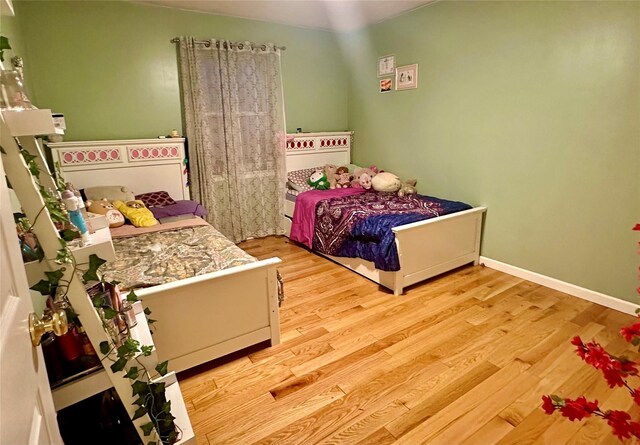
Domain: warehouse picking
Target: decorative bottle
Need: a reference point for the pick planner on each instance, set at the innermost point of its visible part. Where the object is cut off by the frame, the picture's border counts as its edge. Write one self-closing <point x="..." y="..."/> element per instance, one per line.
<point x="81" y="206"/>
<point x="90" y="358"/>
<point x="52" y="358"/>
<point x="75" y="215"/>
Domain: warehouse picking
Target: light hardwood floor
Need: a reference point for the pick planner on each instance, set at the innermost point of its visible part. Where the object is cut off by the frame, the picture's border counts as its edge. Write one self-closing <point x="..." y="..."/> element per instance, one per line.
<point x="460" y="359"/>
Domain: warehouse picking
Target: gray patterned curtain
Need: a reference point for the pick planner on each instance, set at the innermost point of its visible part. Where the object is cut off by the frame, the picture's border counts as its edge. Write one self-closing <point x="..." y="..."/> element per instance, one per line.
<point x="234" y="116"/>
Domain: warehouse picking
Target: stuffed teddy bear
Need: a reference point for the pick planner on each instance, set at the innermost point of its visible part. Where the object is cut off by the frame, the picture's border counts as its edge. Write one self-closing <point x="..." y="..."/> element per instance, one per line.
<point x="330" y="172"/>
<point x="362" y="178"/>
<point x="318" y="180"/>
<point x="408" y="188"/>
<point x="386" y="182"/>
<point x="136" y="212"/>
<point x="344" y="178"/>
<point x="104" y="207"/>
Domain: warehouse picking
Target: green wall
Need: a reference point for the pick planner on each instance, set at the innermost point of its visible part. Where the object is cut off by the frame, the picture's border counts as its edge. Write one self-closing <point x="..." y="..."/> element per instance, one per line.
<point x="529" y="108"/>
<point x="110" y="68"/>
<point x="10" y="28"/>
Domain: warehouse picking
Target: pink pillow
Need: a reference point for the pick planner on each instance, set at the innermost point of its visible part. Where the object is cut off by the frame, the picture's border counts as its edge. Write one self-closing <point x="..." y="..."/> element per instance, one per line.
<point x="156" y="199"/>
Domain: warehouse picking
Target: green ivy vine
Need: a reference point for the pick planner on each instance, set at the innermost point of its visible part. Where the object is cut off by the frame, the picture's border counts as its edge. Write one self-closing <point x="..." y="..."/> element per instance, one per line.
<point x="151" y="395"/>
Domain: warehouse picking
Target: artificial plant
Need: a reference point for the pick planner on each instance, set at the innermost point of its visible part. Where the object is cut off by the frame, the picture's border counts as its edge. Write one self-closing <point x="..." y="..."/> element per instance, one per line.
<point x="4" y="44"/>
<point x="121" y="349"/>
<point x="617" y="371"/>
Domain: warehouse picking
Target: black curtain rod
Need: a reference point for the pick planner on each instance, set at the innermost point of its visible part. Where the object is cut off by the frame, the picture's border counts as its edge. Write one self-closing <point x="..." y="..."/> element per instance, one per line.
<point x="240" y="44"/>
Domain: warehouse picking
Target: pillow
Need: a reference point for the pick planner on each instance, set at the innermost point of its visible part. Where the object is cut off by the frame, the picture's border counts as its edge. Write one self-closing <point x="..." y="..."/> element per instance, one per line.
<point x="108" y="192"/>
<point x="175" y="218"/>
<point x="136" y="212"/>
<point x="297" y="179"/>
<point x="182" y="207"/>
<point x="156" y="199"/>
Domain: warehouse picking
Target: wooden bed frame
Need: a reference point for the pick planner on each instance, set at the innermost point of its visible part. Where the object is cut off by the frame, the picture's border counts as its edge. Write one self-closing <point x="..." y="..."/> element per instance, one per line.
<point x="425" y="248"/>
<point x="200" y="318"/>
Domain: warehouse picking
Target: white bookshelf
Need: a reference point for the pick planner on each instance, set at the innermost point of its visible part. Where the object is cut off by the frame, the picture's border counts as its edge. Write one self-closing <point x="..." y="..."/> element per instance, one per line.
<point x="26" y="125"/>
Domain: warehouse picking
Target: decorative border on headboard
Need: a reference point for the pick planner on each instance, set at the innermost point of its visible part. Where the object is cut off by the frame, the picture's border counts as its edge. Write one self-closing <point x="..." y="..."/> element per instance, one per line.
<point x="142" y="165"/>
<point x="98" y="153"/>
<point x="300" y="143"/>
<point x="305" y="142"/>
<point x="145" y="153"/>
<point x="335" y="141"/>
<point x="308" y="150"/>
<point x="108" y="155"/>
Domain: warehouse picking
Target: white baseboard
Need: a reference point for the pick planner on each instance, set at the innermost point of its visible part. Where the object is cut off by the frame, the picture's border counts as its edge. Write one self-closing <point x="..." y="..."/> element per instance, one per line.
<point x="562" y="286"/>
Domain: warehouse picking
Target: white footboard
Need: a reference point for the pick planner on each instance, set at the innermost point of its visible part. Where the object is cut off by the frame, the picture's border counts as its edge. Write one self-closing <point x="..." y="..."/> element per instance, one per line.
<point x="426" y="249"/>
<point x="211" y="315"/>
<point x="429" y="248"/>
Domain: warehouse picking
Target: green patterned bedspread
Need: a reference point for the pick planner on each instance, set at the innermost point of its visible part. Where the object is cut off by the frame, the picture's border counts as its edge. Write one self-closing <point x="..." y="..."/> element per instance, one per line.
<point x="162" y="257"/>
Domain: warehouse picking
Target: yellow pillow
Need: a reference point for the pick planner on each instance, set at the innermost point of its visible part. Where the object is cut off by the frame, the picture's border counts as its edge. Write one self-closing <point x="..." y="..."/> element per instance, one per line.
<point x="136" y="212"/>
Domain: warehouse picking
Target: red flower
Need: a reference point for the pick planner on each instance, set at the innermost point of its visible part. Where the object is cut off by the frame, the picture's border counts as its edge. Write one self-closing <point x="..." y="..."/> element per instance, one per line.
<point x="577" y="341"/>
<point x="547" y="405"/>
<point x="581" y="349"/>
<point x="636" y="395"/>
<point x="596" y="356"/>
<point x="578" y="409"/>
<point x="612" y="376"/>
<point x="629" y="332"/>
<point x="619" y="422"/>
<point x="627" y="366"/>
<point x="616" y="371"/>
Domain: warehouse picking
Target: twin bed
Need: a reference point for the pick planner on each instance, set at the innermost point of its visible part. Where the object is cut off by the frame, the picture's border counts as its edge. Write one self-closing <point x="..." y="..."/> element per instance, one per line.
<point x="213" y="299"/>
<point x="217" y="299"/>
<point x="421" y="248"/>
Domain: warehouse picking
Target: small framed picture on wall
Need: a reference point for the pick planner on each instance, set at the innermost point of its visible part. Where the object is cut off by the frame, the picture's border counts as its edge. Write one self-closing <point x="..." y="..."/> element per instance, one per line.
<point x="386" y="65"/>
<point x="386" y="85"/>
<point x="407" y="77"/>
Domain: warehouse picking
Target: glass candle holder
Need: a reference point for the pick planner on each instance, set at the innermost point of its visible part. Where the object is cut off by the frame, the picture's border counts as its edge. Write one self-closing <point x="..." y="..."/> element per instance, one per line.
<point x="14" y="96"/>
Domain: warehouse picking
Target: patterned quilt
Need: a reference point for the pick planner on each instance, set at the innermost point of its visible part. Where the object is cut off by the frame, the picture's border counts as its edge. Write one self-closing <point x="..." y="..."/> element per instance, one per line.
<point x="161" y="257"/>
<point x="359" y="226"/>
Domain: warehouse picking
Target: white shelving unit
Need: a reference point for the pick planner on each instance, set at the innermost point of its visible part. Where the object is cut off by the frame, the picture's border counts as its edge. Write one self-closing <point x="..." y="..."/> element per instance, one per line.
<point x="25" y="126"/>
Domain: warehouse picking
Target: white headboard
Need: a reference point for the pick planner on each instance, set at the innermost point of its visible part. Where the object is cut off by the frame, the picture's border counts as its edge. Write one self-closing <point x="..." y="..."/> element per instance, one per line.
<point x="141" y="165"/>
<point x="308" y="150"/>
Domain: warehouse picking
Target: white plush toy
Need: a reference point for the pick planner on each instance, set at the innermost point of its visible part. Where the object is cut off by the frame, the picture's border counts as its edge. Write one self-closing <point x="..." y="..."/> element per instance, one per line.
<point x="386" y="182"/>
<point x="318" y="180"/>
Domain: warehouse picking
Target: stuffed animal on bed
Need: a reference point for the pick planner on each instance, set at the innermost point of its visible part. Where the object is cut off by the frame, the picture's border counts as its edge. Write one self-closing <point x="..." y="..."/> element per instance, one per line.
<point x="363" y="182"/>
<point x="318" y="180"/>
<point x="104" y="207"/>
<point x="362" y="178"/>
<point x="386" y="182"/>
<point x="344" y="178"/>
<point x="332" y="177"/>
<point x="408" y="188"/>
<point x="136" y="212"/>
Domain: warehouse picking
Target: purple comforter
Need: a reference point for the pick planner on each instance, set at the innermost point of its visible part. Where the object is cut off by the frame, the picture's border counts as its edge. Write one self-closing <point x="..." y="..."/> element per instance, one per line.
<point x="360" y="225"/>
<point x="304" y="214"/>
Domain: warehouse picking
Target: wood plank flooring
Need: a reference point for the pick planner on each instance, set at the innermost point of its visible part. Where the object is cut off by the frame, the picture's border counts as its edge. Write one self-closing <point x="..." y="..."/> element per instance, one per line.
<point x="460" y="359"/>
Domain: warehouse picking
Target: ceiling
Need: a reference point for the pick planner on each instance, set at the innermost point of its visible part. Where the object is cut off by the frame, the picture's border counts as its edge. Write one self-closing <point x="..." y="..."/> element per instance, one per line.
<point x="331" y="15"/>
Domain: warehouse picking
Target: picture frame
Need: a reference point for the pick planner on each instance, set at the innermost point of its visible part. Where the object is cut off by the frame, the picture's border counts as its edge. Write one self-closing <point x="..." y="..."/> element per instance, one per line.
<point x="386" y="65"/>
<point x="386" y="85"/>
<point x="407" y="77"/>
